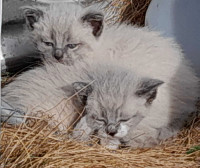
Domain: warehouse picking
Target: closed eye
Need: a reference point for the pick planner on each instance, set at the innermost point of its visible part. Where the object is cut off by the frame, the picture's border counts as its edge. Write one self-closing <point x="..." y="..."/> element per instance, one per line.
<point x="126" y="119"/>
<point x="94" y="117"/>
<point x="101" y="120"/>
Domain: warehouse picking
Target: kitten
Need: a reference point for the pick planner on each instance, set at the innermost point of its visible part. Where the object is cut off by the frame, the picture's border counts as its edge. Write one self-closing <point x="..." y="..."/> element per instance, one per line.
<point x="63" y="32"/>
<point x="125" y="108"/>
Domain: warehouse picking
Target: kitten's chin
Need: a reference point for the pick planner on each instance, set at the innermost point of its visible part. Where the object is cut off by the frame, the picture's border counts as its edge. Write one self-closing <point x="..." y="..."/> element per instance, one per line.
<point x="64" y="62"/>
<point x="67" y="62"/>
<point x="61" y="61"/>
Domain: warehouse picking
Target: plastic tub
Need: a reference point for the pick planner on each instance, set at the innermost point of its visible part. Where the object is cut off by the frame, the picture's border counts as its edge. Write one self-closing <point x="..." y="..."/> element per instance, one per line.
<point x="179" y="19"/>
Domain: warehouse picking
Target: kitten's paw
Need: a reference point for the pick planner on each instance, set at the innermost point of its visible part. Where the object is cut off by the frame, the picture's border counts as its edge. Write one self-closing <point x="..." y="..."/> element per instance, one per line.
<point x="81" y="132"/>
<point x="143" y="138"/>
<point x="81" y="135"/>
<point x="146" y="141"/>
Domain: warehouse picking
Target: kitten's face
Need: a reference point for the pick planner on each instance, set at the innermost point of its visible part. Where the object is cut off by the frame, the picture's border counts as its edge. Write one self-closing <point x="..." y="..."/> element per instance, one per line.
<point x="111" y="115"/>
<point x="67" y="46"/>
<point x="64" y="35"/>
<point x="112" y="120"/>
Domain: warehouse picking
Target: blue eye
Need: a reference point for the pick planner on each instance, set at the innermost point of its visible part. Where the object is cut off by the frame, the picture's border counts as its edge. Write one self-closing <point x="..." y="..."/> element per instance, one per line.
<point x="72" y="46"/>
<point x="48" y="43"/>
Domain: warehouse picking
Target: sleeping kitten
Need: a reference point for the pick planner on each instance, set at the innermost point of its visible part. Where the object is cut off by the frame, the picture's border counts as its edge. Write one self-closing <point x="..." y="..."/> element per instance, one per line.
<point x="125" y="108"/>
<point x="63" y="32"/>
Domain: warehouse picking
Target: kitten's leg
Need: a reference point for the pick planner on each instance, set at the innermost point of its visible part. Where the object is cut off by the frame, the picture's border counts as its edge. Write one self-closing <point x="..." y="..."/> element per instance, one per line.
<point x="142" y="136"/>
<point x="147" y="136"/>
<point x="82" y="131"/>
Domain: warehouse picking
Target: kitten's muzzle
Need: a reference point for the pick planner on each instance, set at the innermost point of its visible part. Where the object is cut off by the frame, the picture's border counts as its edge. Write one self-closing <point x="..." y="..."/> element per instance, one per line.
<point x="111" y="129"/>
<point x="58" y="54"/>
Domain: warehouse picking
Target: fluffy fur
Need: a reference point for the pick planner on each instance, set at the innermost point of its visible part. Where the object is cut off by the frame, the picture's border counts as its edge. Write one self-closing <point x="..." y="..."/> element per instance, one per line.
<point x="62" y="31"/>
<point x="174" y="103"/>
<point x="39" y="90"/>
<point x="144" y="51"/>
<point x="149" y="54"/>
<point x="110" y="97"/>
<point x="139" y="50"/>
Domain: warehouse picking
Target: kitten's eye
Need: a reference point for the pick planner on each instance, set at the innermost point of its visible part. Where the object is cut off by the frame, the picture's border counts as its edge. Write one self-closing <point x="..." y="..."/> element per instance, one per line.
<point x="124" y="120"/>
<point x="101" y="120"/>
<point x="72" y="46"/>
<point x="94" y="117"/>
<point x="48" y="43"/>
<point x="127" y="119"/>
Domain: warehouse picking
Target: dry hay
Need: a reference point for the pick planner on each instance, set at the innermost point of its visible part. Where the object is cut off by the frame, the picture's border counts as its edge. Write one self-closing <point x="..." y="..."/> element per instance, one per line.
<point x="35" y="144"/>
<point x="129" y="11"/>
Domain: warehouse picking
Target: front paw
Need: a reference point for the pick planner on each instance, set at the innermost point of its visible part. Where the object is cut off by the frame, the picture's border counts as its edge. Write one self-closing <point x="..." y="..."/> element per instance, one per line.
<point x="145" y="141"/>
<point x="142" y="138"/>
<point x="81" y="131"/>
<point x="81" y="135"/>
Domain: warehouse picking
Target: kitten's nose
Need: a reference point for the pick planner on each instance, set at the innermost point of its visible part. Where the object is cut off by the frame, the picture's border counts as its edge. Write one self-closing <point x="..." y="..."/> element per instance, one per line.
<point x="58" y="54"/>
<point x="111" y="129"/>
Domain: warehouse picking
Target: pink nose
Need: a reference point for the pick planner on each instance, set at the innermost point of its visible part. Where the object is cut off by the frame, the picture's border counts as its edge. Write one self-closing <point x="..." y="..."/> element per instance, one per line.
<point x="58" y="54"/>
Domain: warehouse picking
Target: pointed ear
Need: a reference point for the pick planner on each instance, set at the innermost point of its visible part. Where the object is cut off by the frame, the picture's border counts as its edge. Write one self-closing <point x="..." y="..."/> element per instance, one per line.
<point x="96" y="21"/>
<point x="148" y="89"/>
<point x="81" y="88"/>
<point x="31" y="16"/>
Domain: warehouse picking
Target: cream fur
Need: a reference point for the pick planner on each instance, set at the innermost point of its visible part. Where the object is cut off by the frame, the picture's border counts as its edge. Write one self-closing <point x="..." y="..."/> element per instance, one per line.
<point x="139" y="50"/>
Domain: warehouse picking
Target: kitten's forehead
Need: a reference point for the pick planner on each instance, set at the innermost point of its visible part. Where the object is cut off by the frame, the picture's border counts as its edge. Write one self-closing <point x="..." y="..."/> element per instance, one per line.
<point x="71" y="10"/>
<point x="114" y="109"/>
<point x="110" y="106"/>
<point x="62" y="23"/>
<point x="115" y="91"/>
<point x="60" y="17"/>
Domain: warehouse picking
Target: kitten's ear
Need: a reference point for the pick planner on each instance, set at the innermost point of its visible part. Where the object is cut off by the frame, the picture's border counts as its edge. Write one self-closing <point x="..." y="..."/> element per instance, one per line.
<point x="81" y="88"/>
<point x="95" y="19"/>
<point x="31" y="16"/>
<point x="148" y="89"/>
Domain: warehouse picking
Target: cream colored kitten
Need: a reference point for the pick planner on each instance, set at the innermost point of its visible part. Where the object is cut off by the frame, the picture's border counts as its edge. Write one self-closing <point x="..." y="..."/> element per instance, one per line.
<point x="63" y="32"/>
